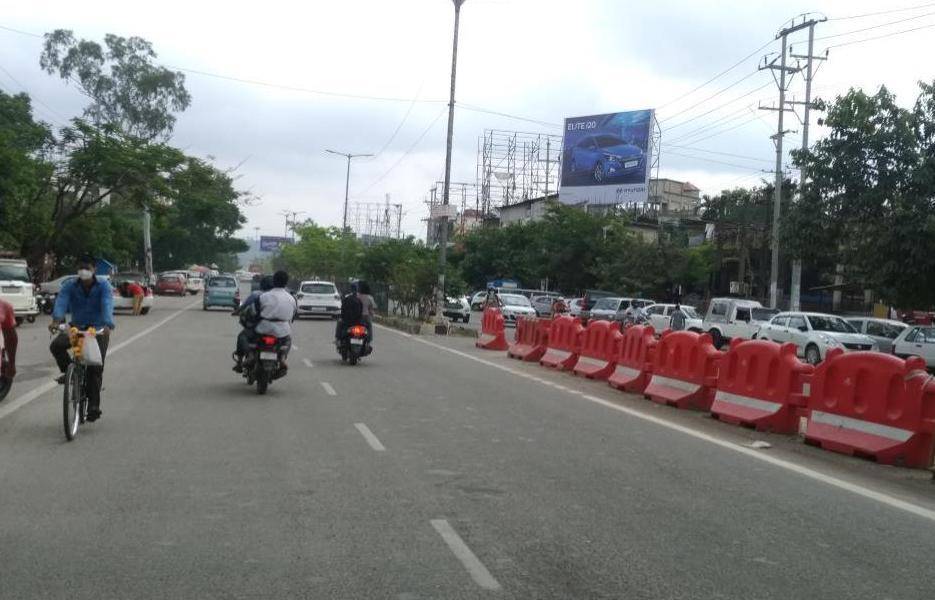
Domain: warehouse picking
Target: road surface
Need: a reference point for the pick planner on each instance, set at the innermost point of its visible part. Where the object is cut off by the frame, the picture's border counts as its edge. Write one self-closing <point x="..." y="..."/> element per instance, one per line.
<point x="431" y="470"/>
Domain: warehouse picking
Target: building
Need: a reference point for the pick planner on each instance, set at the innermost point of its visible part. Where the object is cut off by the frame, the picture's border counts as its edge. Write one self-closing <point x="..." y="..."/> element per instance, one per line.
<point x="670" y="196"/>
<point x="527" y="210"/>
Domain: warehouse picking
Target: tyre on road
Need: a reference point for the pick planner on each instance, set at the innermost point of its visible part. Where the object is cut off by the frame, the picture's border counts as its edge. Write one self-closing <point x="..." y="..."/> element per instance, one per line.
<point x="144" y="310"/>
<point x="71" y="402"/>
<point x="262" y="381"/>
<point x="812" y="354"/>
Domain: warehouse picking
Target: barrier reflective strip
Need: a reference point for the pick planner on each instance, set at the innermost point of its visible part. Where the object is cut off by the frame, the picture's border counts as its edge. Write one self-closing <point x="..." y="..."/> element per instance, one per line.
<point x="559" y="353"/>
<point x="678" y="384"/>
<point x="746" y="401"/>
<point x="628" y="371"/>
<point x="891" y="433"/>
<point x="597" y="362"/>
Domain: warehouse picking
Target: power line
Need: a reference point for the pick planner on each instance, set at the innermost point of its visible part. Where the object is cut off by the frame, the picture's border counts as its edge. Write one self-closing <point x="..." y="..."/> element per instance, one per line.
<point x="719" y="153"/>
<point x="488" y="111"/>
<point x="738" y="126"/>
<point x="51" y="110"/>
<point x="880" y="37"/>
<point x="714" y="95"/>
<point x="717" y="108"/>
<point x="713" y="160"/>
<point x="878" y="26"/>
<point x="882" y="12"/>
<point x="401" y="123"/>
<point x="728" y="118"/>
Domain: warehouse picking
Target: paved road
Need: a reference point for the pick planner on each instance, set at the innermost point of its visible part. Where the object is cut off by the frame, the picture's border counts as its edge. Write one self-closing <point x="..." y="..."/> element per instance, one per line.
<point x="431" y="470"/>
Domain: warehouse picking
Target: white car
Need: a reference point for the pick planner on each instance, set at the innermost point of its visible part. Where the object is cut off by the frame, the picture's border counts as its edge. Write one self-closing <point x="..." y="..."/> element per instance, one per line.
<point x="478" y="299"/>
<point x="318" y="298"/>
<point x="729" y="318"/>
<point x="575" y="306"/>
<point x="515" y="305"/>
<point x="17" y="289"/>
<point x="814" y="334"/>
<point x="457" y="309"/>
<point x="916" y="341"/>
<point x="882" y="331"/>
<point x="194" y="283"/>
<point x="125" y="302"/>
<point x="660" y="317"/>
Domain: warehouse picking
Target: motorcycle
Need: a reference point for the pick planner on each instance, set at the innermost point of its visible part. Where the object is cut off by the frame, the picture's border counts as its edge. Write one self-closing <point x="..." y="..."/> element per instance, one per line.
<point x="264" y="361"/>
<point x="45" y="302"/>
<point x="354" y="345"/>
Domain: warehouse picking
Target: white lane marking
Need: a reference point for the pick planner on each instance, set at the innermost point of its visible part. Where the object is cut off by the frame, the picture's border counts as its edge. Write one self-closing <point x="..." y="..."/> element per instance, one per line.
<point x="328" y="389"/>
<point x="371" y="439"/>
<point x="472" y="564"/>
<point x="308" y="363"/>
<point x="295" y="347"/>
<point x="14" y="405"/>
<point x="831" y="480"/>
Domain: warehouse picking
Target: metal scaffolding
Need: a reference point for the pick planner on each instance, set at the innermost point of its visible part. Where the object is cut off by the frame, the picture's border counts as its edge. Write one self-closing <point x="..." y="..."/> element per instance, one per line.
<point x="513" y="166"/>
<point x="376" y="220"/>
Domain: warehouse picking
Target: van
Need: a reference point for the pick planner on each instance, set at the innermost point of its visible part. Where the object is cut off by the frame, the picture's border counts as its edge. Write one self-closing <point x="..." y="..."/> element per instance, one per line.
<point x="729" y="318"/>
<point x="17" y="289"/>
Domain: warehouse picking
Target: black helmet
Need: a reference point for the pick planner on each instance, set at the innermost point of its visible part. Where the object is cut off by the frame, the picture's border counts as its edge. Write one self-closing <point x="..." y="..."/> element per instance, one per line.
<point x="266" y="283"/>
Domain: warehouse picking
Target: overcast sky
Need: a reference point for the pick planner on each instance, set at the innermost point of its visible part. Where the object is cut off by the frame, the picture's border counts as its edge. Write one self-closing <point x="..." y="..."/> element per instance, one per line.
<point x="543" y="60"/>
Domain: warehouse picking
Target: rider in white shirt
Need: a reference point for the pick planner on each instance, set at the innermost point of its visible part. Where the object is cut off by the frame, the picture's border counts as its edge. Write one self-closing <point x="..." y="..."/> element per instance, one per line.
<point x="277" y="309"/>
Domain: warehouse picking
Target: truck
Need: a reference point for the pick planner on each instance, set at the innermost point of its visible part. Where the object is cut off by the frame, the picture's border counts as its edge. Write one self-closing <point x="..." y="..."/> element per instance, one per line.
<point x="729" y="318"/>
<point x="17" y="289"/>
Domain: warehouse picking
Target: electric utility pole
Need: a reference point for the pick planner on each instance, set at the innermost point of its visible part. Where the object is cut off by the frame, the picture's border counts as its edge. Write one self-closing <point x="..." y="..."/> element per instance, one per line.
<point x="796" y="287"/>
<point x="347" y="181"/>
<point x="443" y="220"/>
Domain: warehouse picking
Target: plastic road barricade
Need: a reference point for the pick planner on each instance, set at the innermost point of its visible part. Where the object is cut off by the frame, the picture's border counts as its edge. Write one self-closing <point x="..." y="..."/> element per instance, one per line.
<point x="684" y="370"/>
<point x="598" y="351"/>
<point x="532" y="336"/>
<point x="873" y="405"/>
<point x="761" y="384"/>
<point x="492" y="334"/>
<point x="564" y="340"/>
<point x="633" y="367"/>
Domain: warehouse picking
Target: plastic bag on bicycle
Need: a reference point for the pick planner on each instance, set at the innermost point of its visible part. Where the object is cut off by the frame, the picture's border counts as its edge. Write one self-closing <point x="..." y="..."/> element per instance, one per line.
<point x="91" y="352"/>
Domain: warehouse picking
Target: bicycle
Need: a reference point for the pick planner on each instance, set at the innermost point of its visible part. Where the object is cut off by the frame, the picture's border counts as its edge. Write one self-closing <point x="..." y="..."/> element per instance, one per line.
<point x="75" y="396"/>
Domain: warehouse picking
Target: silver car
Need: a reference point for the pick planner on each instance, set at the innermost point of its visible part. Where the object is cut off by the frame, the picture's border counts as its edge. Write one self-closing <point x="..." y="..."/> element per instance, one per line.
<point x="881" y="331"/>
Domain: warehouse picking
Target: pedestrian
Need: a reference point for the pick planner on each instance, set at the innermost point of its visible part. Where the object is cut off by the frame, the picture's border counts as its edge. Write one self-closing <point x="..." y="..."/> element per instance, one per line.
<point x="135" y="291"/>
<point x="493" y="299"/>
<point x="677" y="322"/>
<point x="8" y="343"/>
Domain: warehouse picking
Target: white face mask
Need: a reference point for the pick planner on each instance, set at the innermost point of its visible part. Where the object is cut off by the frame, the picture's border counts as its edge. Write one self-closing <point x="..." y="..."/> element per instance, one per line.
<point x="85" y="274"/>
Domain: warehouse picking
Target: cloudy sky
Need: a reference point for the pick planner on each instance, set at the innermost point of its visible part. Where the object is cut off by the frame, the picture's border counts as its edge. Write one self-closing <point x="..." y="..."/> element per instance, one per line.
<point x="371" y="76"/>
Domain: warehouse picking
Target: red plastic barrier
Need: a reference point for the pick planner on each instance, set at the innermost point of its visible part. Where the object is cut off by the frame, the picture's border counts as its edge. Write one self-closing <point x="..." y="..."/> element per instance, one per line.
<point x="564" y="339"/>
<point x="598" y="352"/>
<point x="684" y="370"/>
<point x="874" y="405"/>
<point x="492" y="336"/>
<point x="761" y="384"/>
<point x="532" y="337"/>
<point x="634" y="364"/>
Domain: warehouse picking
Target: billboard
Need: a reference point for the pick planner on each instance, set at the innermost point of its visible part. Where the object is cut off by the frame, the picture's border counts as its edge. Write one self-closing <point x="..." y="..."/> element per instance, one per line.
<point x="606" y="159"/>
<point x="270" y="243"/>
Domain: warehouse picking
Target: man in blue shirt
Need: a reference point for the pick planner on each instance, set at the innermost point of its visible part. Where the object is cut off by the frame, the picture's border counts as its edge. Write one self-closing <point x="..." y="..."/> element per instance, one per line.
<point x="90" y="302"/>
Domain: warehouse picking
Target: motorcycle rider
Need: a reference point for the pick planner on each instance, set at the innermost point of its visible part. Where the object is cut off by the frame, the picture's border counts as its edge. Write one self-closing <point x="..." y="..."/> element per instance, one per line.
<point x="249" y="313"/>
<point x="8" y="343"/>
<point x="368" y="306"/>
<point x="278" y="309"/>
<point x="559" y="306"/>
<point x="352" y="310"/>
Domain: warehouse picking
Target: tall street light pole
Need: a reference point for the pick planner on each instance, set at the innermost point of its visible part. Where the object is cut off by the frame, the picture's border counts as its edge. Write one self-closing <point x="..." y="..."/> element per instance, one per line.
<point x="347" y="182"/>
<point x="443" y="220"/>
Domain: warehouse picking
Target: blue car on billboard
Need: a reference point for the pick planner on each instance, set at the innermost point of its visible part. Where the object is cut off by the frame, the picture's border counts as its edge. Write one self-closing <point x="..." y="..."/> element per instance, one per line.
<point x="605" y="156"/>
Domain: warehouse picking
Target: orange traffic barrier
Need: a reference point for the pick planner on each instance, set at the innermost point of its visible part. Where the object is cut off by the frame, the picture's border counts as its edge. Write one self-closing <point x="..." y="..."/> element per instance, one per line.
<point x="531" y="338"/>
<point x="634" y="361"/>
<point x="492" y="335"/>
<point x="598" y="350"/>
<point x="761" y="384"/>
<point x="873" y="405"/>
<point x="564" y="343"/>
<point x="684" y="370"/>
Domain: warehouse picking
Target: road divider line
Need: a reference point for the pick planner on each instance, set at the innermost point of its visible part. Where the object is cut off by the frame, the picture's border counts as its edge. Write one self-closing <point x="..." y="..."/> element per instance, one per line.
<point x="14" y="405"/>
<point x="308" y="363"/>
<point x="462" y="552"/>
<point x="328" y="389"/>
<point x="371" y="439"/>
<point x="854" y="488"/>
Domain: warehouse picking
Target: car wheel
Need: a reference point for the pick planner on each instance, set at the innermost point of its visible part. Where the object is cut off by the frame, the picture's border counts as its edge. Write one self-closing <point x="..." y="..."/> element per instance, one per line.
<point x="467" y="318"/>
<point x="204" y="307"/>
<point x="812" y="354"/>
<point x="144" y="310"/>
<point x="598" y="172"/>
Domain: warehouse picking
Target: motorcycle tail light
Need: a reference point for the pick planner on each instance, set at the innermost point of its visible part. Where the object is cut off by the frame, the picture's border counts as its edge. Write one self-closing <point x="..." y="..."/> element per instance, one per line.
<point x="268" y="340"/>
<point x="358" y="331"/>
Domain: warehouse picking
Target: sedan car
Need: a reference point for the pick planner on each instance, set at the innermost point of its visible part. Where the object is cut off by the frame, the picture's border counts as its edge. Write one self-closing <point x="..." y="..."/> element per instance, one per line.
<point x="814" y="334"/>
<point x="916" y="341"/>
<point x="318" y="298"/>
<point x="170" y="284"/>
<point x="660" y="316"/>
<point x="881" y="331"/>
<point x="221" y="291"/>
<point x="543" y="305"/>
<point x="122" y="298"/>
<point x="605" y="156"/>
<point x="608" y="309"/>
<point x="457" y="309"/>
<point x="515" y="305"/>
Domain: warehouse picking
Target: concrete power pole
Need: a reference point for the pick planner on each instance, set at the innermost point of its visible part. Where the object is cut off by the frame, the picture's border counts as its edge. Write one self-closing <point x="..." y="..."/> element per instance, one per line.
<point x="796" y="287"/>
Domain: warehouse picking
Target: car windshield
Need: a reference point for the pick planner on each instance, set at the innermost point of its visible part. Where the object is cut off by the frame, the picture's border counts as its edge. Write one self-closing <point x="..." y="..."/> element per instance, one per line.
<point x="606" y="141"/>
<point x="514" y="300"/>
<point x="317" y="288"/>
<point x="690" y="312"/>
<point x="222" y="282"/>
<point x="14" y="273"/>
<point x="831" y="324"/>
<point x="763" y="314"/>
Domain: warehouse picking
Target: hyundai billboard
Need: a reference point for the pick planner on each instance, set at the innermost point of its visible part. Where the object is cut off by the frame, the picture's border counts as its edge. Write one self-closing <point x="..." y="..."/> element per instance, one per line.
<point x="269" y="243"/>
<point x="606" y="159"/>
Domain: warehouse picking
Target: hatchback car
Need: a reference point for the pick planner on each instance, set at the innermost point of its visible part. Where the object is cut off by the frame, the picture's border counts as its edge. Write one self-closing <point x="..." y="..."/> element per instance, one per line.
<point x="122" y="298"/>
<point x="221" y="291"/>
<point x="318" y="298"/>
<point x="916" y="341"/>
<point x="457" y="309"/>
<point x="170" y="284"/>
<point x="660" y="317"/>
<point x="881" y="331"/>
<point x="605" y="156"/>
<point x="515" y="305"/>
<point x="814" y="334"/>
<point x="608" y="309"/>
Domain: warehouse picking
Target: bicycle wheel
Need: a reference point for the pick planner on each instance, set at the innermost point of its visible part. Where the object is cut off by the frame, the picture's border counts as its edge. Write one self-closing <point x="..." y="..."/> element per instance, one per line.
<point x="71" y="402"/>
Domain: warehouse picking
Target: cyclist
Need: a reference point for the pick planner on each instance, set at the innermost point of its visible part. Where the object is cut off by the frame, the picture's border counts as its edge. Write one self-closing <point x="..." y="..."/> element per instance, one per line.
<point x="249" y="313"/>
<point x="90" y="302"/>
<point x="8" y="342"/>
<point x="277" y="310"/>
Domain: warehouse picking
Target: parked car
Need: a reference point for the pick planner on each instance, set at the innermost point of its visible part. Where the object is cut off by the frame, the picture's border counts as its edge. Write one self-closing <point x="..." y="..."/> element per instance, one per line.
<point x="221" y="291"/>
<point x="54" y="286"/>
<point x="605" y="156"/>
<point x="729" y="318"/>
<point x="608" y="309"/>
<point x="814" y="334"/>
<point x="515" y="305"/>
<point x="543" y="304"/>
<point x="170" y="284"/>
<point x="17" y="289"/>
<point x="318" y="298"/>
<point x="660" y="317"/>
<point x="918" y="340"/>
<point x="122" y="299"/>
<point x="457" y="309"/>
<point x="477" y="300"/>
<point x="881" y="331"/>
<point x="575" y="306"/>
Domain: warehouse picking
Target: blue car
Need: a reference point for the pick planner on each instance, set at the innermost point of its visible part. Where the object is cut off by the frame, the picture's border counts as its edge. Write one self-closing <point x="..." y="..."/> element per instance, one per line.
<point x="223" y="291"/>
<point x="605" y="156"/>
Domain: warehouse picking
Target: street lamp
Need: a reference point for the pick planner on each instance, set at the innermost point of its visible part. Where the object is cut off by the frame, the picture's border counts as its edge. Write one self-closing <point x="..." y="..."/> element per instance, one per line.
<point x="443" y="234"/>
<point x="347" y="182"/>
